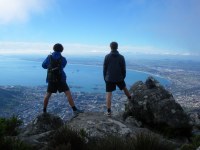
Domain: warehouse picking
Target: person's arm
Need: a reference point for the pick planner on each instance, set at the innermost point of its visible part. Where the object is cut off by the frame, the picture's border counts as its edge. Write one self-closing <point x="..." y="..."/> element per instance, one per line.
<point x="123" y="67"/>
<point x="64" y="62"/>
<point x="45" y="63"/>
<point x="105" y="66"/>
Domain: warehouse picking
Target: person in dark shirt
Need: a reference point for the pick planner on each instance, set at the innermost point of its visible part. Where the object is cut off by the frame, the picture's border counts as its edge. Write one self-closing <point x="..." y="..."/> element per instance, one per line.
<point x="60" y="85"/>
<point x="114" y="72"/>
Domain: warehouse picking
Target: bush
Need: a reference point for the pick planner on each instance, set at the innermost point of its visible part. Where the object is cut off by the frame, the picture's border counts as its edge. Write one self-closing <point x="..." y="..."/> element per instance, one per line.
<point x="67" y="138"/>
<point x="147" y="141"/>
<point x="9" y="143"/>
<point x="109" y="142"/>
<point x="193" y="145"/>
<point x="142" y="141"/>
<point x="10" y="126"/>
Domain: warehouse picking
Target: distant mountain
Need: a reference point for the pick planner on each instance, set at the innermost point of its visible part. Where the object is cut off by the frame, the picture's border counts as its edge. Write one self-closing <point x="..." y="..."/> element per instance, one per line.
<point x="9" y="99"/>
<point x="4" y="94"/>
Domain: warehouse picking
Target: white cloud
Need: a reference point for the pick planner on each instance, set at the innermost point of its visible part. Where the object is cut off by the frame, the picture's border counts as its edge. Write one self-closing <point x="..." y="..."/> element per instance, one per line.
<point x="47" y="48"/>
<point x="83" y="49"/>
<point x="20" y="10"/>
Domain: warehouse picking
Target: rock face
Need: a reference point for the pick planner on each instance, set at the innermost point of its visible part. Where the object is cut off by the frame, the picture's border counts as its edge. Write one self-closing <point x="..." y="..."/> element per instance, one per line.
<point x="96" y="124"/>
<point x="156" y="107"/>
<point x="38" y="132"/>
<point x="43" y="123"/>
<point x="41" y="130"/>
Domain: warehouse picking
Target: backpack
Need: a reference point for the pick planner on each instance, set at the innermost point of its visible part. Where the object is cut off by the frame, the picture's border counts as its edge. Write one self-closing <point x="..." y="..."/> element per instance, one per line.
<point x="54" y="72"/>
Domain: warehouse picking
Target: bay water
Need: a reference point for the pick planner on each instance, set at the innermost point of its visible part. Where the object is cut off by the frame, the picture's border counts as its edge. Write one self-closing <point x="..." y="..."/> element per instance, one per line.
<point x="80" y="77"/>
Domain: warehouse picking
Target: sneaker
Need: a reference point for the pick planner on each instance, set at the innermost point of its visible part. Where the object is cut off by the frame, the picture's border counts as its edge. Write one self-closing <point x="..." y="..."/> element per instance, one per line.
<point x="44" y="110"/>
<point x="108" y="114"/>
<point x="78" y="111"/>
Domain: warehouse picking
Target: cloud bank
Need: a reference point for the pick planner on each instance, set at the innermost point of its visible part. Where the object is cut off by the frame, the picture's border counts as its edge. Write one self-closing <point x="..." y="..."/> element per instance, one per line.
<point x="20" y="10"/>
<point x="77" y="49"/>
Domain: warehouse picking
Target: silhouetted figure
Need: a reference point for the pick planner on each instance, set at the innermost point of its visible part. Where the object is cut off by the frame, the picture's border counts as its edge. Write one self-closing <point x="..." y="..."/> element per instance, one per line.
<point x="114" y="72"/>
<point x="56" y="77"/>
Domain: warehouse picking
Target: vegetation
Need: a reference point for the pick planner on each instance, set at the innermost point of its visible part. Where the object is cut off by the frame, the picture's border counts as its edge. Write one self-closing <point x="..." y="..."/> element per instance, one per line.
<point x="193" y="145"/>
<point x="70" y="139"/>
<point x="67" y="138"/>
<point x="9" y="128"/>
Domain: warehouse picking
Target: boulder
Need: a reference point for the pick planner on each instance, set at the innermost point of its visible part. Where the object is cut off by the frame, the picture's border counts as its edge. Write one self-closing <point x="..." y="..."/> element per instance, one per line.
<point x="40" y="130"/>
<point x="43" y="123"/>
<point x="154" y="106"/>
<point x="97" y="125"/>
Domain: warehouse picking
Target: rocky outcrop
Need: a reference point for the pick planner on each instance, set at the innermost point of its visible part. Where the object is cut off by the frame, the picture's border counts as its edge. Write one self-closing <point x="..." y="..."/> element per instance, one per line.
<point x="96" y="124"/>
<point x="154" y="106"/>
<point x="40" y="130"/>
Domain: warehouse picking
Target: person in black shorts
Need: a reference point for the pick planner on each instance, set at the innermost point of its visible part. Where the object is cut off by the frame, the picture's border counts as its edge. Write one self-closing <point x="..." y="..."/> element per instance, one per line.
<point x="114" y="72"/>
<point x="57" y="82"/>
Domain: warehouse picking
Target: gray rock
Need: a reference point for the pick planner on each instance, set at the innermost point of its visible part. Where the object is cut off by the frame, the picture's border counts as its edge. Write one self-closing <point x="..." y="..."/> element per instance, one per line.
<point x="154" y="106"/>
<point x="96" y="124"/>
<point x="198" y="148"/>
<point x="43" y="123"/>
<point x="40" y="130"/>
<point x="195" y="118"/>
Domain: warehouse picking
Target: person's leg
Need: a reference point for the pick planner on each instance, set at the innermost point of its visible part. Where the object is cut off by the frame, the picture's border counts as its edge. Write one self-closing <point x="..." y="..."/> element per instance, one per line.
<point x="69" y="98"/>
<point x="71" y="103"/>
<point x="63" y="87"/>
<point x="108" y="101"/>
<point x="122" y="86"/>
<point x="110" y="87"/>
<point x="126" y="92"/>
<point x="46" y="100"/>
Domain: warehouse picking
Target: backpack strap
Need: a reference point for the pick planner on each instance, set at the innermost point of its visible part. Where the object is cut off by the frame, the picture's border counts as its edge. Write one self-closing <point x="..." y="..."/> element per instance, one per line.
<point x="51" y="60"/>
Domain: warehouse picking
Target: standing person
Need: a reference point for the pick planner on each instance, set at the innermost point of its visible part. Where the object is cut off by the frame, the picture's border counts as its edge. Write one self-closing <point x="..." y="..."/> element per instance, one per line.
<point x="56" y="77"/>
<point x="114" y="72"/>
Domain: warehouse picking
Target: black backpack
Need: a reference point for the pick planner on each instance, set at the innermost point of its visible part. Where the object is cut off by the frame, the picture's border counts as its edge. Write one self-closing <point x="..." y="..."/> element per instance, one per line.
<point x="54" y="73"/>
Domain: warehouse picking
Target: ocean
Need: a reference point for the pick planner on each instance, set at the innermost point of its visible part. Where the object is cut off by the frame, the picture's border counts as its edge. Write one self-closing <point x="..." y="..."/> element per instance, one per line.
<point x="80" y="77"/>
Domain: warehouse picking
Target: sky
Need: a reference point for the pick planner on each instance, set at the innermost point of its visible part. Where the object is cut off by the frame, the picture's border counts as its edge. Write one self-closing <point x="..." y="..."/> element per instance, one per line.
<point x="86" y="27"/>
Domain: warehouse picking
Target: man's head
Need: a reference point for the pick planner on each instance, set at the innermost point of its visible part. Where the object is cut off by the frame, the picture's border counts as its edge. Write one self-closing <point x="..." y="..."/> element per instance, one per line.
<point x="58" y="47"/>
<point x="114" y="45"/>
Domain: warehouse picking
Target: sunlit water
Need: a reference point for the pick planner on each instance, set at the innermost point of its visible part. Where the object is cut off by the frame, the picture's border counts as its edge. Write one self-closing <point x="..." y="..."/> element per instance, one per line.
<point x="80" y="77"/>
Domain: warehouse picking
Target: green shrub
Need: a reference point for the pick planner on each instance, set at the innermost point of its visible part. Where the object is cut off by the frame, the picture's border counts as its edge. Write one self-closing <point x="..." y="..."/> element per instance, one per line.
<point x="67" y="137"/>
<point x="147" y="141"/>
<point x="9" y="143"/>
<point x="193" y="145"/>
<point x="142" y="141"/>
<point x="9" y="126"/>
<point x="109" y="142"/>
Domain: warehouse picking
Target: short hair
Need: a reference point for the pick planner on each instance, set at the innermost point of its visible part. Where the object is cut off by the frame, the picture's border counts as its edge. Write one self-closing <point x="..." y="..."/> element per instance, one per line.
<point x="114" y="45"/>
<point x="58" y="47"/>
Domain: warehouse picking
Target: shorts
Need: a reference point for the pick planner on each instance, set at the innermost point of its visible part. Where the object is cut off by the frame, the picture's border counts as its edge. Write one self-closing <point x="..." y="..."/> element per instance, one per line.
<point x="53" y="87"/>
<point x="111" y="86"/>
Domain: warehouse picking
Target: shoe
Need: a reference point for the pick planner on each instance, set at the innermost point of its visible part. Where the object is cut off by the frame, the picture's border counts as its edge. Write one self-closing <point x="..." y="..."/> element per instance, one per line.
<point x="44" y="110"/>
<point x="131" y="98"/>
<point x="78" y="111"/>
<point x="108" y="114"/>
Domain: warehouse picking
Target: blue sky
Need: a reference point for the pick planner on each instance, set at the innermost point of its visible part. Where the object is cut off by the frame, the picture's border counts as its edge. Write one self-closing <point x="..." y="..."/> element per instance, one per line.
<point x="166" y="27"/>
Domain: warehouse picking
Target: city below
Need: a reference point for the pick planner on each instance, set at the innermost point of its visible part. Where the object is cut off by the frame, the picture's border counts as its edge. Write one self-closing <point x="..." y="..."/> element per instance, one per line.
<point x="27" y="102"/>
